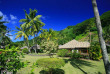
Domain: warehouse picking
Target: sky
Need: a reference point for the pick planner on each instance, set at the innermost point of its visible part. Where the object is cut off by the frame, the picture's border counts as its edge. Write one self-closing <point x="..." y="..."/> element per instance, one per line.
<point x="56" y="14"/>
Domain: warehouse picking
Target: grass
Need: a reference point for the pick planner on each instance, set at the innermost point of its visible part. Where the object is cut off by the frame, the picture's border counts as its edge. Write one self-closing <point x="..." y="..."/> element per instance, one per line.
<point x="38" y="53"/>
<point x="72" y="66"/>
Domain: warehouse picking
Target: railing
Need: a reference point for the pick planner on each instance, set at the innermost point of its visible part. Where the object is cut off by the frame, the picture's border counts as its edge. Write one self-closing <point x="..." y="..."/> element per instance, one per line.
<point x="84" y="53"/>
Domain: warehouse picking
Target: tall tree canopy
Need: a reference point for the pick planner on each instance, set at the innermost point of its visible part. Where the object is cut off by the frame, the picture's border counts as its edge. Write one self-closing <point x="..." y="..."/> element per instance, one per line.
<point x="4" y="39"/>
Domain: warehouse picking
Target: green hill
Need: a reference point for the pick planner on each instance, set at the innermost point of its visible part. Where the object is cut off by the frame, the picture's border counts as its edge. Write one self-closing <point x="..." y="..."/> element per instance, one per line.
<point x="82" y="30"/>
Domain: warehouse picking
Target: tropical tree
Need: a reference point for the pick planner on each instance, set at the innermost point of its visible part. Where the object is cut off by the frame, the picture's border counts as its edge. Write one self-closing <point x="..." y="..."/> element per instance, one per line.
<point x="4" y="39"/>
<point x="49" y="45"/>
<point x="2" y="22"/>
<point x="33" y="23"/>
<point x="22" y="33"/>
<point x="101" y="40"/>
<point x="48" y="34"/>
<point x="107" y="35"/>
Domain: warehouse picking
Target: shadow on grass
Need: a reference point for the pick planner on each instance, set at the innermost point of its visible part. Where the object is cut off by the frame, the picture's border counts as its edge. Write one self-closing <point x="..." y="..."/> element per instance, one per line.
<point x="54" y="71"/>
<point x="77" y="63"/>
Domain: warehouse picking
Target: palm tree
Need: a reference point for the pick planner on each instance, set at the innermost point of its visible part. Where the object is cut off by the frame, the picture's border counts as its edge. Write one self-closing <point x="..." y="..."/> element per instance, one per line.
<point x="2" y="22"/>
<point x="33" y="22"/>
<point x="22" y="33"/>
<point x="48" y="34"/>
<point x="101" y="40"/>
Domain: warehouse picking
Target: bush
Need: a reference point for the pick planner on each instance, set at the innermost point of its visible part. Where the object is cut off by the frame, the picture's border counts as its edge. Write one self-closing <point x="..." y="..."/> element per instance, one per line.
<point x="54" y="71"/>
<point x="25" y="50"/>
<point x="9" y="60"/>
<point x="75" y="55"/>
<point x="108" y="49"/>
<point x="49" y="46"/>
<point x="63" y="53"/>
<point x="50" y="63"/>
<point x="93" y="29"/>
<point x="69" y="54"/>
<point x="95" y="51"/>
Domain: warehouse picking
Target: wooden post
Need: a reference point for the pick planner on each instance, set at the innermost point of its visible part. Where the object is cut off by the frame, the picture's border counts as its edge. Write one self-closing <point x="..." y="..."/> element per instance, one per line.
<point x="69" y="50"/>
<point x="80" y="51"/>
<point x="87" y="51"/>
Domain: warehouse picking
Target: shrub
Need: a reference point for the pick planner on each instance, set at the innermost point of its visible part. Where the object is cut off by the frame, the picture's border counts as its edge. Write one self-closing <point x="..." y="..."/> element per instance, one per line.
<point x="25" y="50"/>
<point x="95" y="51"/>
<point x="54" y="71"/>
<point x="49" y="46"/>
<point x="75" y="55"/>
<point x="63" y="53"/>
<point x="108" y="49"/>
<point x="50" y="63"/>
<point x="9" y="60"/>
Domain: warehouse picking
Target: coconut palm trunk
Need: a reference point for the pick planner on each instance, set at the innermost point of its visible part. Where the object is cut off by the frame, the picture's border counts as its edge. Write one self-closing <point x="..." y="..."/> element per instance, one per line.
<point x="36" y="42"/>
<point x="27" y="42"/>
<point x="33" y="40"/>
<point x="101" y="40"/>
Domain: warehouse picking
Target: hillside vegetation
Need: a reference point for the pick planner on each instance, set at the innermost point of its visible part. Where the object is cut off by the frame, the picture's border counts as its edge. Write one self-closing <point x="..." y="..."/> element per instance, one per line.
<point x="82" y="31"/>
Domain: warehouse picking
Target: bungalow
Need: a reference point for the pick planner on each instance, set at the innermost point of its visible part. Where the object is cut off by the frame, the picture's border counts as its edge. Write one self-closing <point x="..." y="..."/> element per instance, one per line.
<point x="81" y="47"/>
<point x="36" y="48"/>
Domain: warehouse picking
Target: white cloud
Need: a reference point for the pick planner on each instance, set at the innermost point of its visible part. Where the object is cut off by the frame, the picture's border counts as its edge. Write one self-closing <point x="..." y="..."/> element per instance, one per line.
<point x="1" y="14"/>
<point x="13" y="17"/>
<point x="43" y="17"/>
<point x="5" y="17"/>
<point x="13" y="22"/>
<point x="11" y="37"/>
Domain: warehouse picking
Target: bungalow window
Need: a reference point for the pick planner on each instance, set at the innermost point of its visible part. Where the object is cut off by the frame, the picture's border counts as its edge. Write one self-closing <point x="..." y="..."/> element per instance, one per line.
<point x="84" y="51"/>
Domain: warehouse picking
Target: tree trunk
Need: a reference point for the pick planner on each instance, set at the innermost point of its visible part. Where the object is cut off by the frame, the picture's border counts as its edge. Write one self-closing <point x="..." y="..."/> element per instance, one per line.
<point x="36" y="38"/>
<point x="28" y="46"/>
<point x="101" y="40"/>
<point x="90" y="36"/>
<point x="33" y="39"/>
<point x="35" y="50"/>
<point x="25" y="41"/>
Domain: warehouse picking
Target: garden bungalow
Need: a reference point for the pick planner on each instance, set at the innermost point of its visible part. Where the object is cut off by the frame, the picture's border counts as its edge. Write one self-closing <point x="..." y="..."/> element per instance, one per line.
<point x="81" y="47"/>
<point x="36" y="48"/>
<point x="24" y="47"/>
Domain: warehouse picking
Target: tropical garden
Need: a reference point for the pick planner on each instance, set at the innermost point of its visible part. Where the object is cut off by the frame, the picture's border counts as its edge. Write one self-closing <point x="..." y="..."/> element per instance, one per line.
<point x="25" y="57"/>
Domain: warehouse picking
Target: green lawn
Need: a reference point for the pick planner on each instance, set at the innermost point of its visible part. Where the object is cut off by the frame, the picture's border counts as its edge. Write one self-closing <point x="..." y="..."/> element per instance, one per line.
<point x="72" y="66"/>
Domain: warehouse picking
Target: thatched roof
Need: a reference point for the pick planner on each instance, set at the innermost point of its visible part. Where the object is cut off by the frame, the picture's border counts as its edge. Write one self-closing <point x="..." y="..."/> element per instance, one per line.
<point x="75" y="44"/>
<point x="36" y="46"/>
<point x="24" y="47"/>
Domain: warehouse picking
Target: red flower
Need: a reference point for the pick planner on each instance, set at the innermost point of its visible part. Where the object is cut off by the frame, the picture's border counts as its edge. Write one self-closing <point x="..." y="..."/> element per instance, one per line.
<point x="0" y="52"/>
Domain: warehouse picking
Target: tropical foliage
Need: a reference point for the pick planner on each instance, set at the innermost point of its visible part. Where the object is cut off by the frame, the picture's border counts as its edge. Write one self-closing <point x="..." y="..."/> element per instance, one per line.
<point x="50" y="46"/>
<point x="9" y="60"/>
<point x="84" y="31"/>
<point x="32" y="25"/>
<point x="4" y="33"/>
<point x="50" y="63"/>
<point x="25" y="50"/>
<point x="95" y="51"/>
<point x="64" y="53"/>
<point x="48" y="34"/>
<point x="75" y="55"/>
